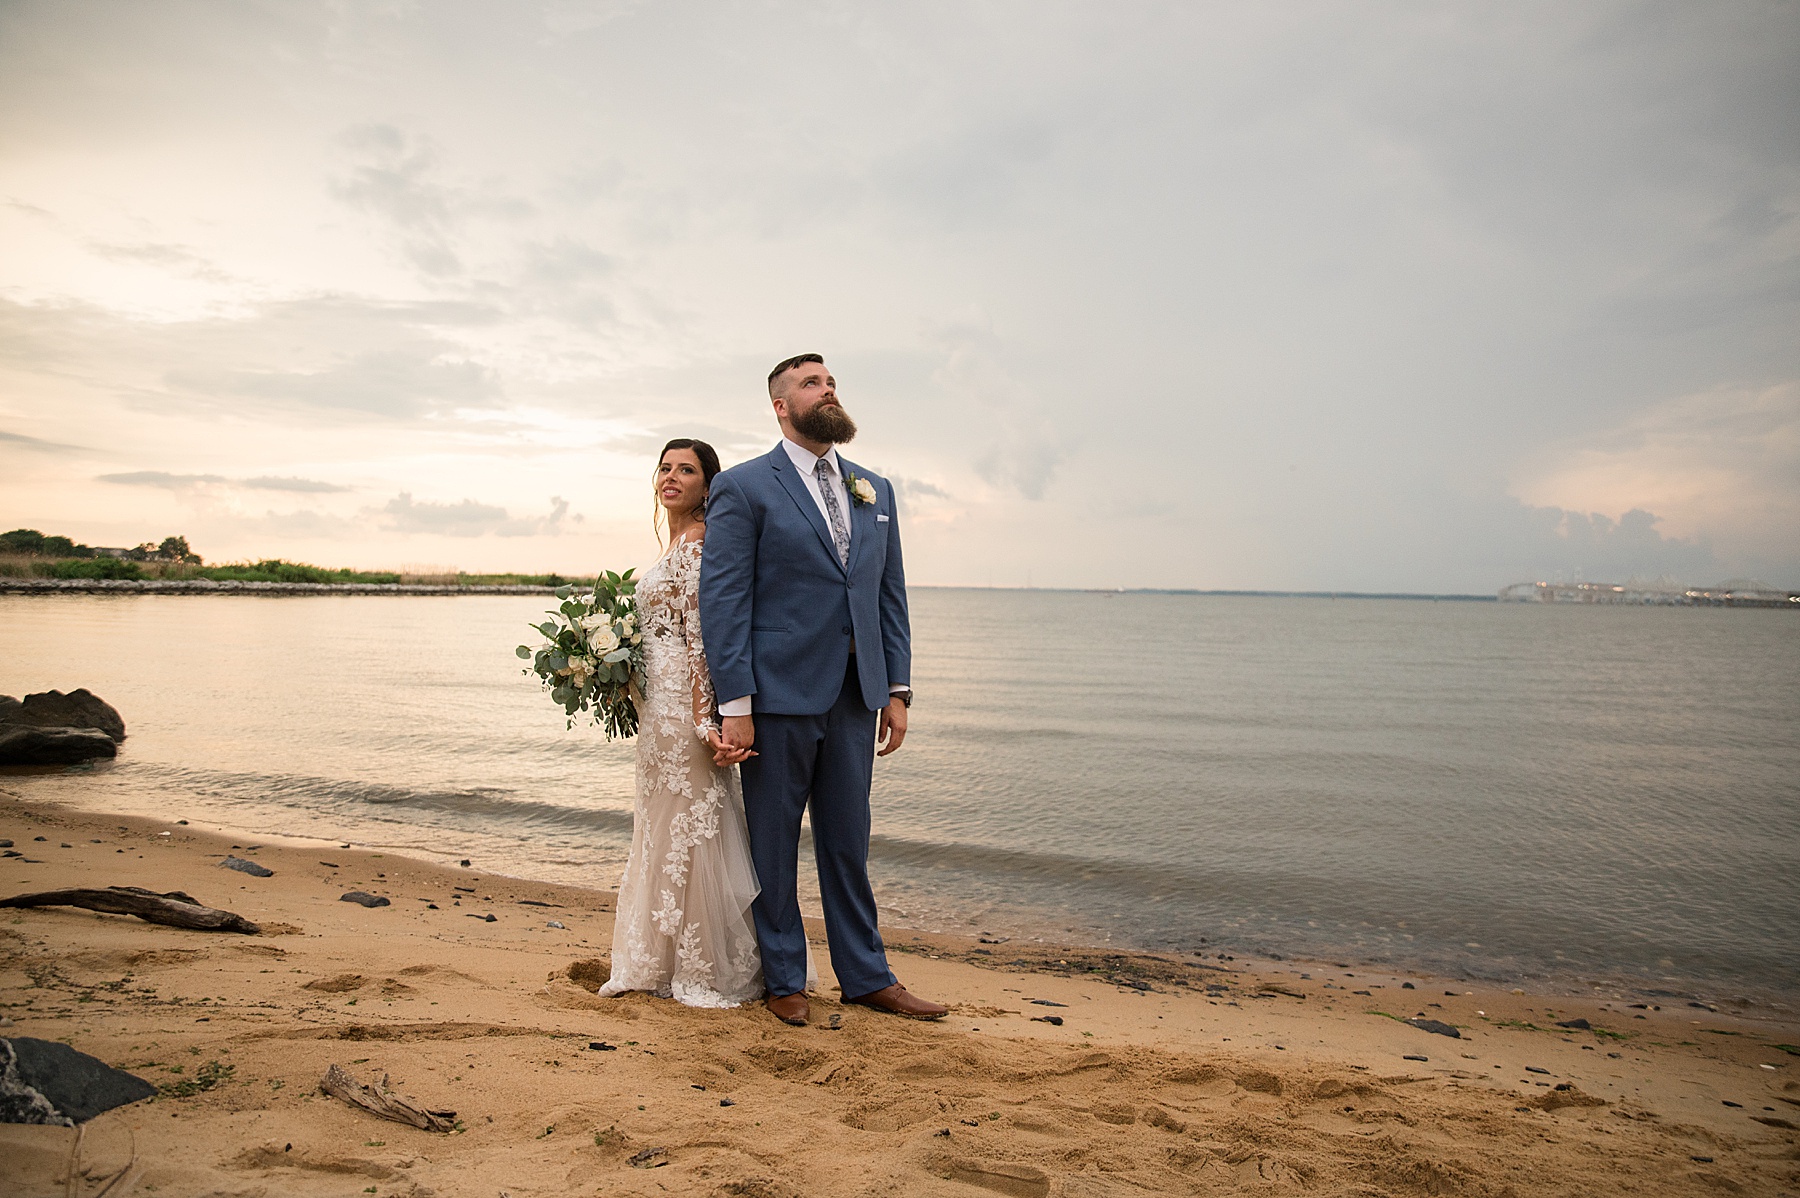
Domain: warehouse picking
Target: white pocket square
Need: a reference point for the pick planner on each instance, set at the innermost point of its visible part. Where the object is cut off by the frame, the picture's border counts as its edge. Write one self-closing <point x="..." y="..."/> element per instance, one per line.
<point x="880" y="519"/>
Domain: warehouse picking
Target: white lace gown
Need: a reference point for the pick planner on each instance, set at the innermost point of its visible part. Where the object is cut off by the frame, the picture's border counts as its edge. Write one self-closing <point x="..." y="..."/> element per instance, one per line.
<point x="682" y="927"/>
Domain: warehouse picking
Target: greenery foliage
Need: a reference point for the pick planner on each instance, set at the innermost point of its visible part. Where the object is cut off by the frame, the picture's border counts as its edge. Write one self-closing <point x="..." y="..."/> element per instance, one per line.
<point x="592" y="654"/>
<point x="276" y="570"/>
<point x="95" y="567"/>
<point x="28" y="553"/>
<point x="207" y="1077"/>
<point x="31" y="542"/>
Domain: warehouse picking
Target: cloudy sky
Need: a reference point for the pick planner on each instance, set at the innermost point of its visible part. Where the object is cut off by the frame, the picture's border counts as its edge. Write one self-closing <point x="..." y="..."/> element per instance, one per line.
<point x="1324" y="296"/>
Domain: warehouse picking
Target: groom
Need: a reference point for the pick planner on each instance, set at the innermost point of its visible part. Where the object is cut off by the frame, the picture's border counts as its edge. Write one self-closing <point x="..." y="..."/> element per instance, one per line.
<point x="803" y="603"/>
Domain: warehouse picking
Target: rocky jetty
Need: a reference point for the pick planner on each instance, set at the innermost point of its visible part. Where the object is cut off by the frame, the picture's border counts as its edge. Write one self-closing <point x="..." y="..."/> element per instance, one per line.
<point x="51" y="728"/>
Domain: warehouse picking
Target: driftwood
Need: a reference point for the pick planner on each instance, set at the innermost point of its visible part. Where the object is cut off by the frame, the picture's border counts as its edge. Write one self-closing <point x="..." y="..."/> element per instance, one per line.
<point x="175" y="909"/>
<point x="380" y="1100"/>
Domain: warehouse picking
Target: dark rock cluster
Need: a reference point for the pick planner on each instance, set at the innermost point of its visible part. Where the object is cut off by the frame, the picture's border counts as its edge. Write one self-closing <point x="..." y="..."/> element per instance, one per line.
<point x="52" y="728"/>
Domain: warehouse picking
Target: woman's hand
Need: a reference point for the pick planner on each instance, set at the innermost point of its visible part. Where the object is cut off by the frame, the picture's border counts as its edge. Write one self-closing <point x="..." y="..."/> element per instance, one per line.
<point x="725" y="754"/>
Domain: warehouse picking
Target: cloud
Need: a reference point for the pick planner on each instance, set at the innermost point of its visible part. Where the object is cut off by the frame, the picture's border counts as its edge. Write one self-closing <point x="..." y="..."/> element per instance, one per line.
<point x="303" y="524"/>
<point x="404" y="381"/>
<point x="181" y="482"/>
<point x="299" y="486"/>
<point x="564" y="278"/>
<point x="1021" y="442"/>
<point x="394" y="182"/>
<point x="404" y="514"/>
<point x="177" y="259"/>
<point x="1567" y="546"/>
<point x="162" y="479"/>
<point x="1723" y="462"/>
<point x="542" y="526"/>
<point x="909" y="491"/>
<point x="317" y="356"/>
<point x="33" y="443"/>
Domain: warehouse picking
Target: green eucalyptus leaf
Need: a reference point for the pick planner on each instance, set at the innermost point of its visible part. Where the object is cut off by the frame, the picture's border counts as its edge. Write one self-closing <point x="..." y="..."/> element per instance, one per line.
<point x="524" y="651"/>
<point x="547" y="628"/>
<point x="619" y="654"/>
<point x="564" y="592"/>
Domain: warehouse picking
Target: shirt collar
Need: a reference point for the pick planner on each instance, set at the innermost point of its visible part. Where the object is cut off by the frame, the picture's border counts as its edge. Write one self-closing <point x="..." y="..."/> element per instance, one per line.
<point x="806" y="461"/>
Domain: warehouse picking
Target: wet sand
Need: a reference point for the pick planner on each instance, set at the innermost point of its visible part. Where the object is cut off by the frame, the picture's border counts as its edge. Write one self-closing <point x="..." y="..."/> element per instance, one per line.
<point x="1167" y="1075"/>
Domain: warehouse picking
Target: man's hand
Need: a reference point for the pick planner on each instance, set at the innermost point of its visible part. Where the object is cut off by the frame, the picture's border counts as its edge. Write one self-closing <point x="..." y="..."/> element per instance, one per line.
<point x="725" y="753"/>
<point x="740" y="731"/>
<point x="893" y="727"/>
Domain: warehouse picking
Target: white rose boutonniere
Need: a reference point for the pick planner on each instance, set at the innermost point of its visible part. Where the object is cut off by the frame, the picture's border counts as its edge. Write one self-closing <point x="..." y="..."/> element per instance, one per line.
<point x="861" y="489"/>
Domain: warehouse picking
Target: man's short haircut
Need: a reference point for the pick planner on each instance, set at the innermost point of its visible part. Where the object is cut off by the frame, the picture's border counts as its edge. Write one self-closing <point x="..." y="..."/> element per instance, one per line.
<point x="787" y="364"/>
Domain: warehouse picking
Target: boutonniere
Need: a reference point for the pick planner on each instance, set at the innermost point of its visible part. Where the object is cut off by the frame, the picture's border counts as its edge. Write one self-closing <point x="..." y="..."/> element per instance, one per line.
<point x="861" y="489"/>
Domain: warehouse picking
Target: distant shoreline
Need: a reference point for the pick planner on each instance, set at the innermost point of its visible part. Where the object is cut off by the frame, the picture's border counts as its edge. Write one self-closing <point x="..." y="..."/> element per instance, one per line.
<point x="1224" y="594"/>
<point x="203" y="586"/>
<point x="207" y="586"/>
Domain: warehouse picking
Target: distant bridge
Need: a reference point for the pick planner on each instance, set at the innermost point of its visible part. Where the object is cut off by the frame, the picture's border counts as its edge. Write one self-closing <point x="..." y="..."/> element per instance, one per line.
<point x="1649" y="596"/>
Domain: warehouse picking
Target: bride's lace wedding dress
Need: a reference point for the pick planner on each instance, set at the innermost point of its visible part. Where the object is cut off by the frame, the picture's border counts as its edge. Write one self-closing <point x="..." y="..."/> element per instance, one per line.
<point x="682" y="928"/>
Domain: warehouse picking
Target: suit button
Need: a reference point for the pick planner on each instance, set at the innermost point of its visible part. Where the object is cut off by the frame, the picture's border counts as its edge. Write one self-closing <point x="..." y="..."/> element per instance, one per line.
<point x="846" y="630"/>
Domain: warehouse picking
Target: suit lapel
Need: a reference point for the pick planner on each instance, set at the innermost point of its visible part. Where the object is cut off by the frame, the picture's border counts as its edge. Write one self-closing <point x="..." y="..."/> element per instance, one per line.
<point x="796" y="489"/>
<point x="862" y="515"/>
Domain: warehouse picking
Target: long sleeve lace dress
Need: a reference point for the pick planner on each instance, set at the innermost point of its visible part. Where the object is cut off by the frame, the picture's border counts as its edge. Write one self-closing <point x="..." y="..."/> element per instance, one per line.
<point x="682" y="927"/>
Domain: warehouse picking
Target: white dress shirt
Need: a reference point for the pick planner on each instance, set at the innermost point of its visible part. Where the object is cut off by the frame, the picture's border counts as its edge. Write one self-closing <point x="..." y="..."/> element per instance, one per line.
<point x="807" y="463"/>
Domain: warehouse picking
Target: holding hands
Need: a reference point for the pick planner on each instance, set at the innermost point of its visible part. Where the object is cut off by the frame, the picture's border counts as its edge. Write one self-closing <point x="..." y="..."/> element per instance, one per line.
<point x="725" y="750"/>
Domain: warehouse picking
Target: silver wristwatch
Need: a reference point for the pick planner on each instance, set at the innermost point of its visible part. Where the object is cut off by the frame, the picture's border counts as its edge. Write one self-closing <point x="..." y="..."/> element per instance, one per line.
<point x="904" y="695"/>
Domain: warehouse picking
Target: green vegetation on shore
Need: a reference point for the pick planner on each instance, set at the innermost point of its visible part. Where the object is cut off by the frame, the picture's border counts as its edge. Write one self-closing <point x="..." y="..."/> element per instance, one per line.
<point x="27" y="553"/>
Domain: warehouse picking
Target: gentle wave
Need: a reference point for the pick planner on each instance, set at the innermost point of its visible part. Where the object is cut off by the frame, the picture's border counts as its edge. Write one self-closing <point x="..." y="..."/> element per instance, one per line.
<point x="486" y="802"/>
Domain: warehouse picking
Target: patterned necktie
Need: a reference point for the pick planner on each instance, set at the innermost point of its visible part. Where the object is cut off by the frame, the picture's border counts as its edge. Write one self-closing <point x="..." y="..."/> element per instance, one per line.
<point x="840" y="533"/>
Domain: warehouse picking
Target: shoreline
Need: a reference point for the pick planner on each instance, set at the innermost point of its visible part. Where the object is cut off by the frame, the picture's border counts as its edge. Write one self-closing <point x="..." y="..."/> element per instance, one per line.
<point x="207" y="586"/>
<point x="1169" y="1072"/>
<point x="1040" y="934"/>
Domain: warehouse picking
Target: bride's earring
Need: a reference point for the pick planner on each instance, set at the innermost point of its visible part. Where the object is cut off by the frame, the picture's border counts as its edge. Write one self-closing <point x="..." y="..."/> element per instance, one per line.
<point x="700" y="508"/>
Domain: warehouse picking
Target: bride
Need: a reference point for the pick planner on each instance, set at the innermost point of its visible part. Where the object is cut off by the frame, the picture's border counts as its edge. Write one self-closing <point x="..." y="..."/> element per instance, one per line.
<point x="682" y="927"/>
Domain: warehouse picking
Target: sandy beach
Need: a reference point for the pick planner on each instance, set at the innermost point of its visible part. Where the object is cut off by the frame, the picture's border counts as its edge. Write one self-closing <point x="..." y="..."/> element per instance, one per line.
<point x="1166" y="1075"/>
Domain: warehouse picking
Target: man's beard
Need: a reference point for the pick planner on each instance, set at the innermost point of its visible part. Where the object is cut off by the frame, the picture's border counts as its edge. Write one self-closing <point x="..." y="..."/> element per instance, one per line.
<point x="826" y="423"/>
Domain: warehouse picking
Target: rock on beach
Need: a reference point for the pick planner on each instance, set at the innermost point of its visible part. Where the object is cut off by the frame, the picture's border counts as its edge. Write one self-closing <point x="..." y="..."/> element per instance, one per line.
<point x="23" y="745"/>
<point x="80" y="708"/>
<point x="42" y="1081"/>
<point x="52" y="728"/>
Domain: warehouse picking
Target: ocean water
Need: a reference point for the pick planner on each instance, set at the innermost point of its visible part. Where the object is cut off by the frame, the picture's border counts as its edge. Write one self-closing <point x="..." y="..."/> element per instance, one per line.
<point x="1491" y="790"/>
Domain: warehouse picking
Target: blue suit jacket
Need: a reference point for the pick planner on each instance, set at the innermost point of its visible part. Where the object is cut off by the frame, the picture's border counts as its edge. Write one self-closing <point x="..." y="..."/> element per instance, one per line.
<point x="777" y="610"/>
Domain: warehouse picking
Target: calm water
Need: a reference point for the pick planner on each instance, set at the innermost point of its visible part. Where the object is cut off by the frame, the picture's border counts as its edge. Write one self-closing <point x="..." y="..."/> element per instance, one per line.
<point x="1502" y="790"/>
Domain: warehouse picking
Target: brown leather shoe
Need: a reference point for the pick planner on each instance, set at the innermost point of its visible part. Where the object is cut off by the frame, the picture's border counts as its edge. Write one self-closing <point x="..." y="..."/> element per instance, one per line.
<point x="896" y="1000"/>
<point x="791" y="1009"/>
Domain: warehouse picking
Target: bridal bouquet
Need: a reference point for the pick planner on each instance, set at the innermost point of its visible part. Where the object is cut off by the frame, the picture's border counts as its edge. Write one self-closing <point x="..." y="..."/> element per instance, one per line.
<point x="592" y="650"/>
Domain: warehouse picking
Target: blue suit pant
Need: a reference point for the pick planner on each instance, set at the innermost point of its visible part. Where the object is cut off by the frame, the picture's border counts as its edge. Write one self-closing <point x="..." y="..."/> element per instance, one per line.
<point x="828" y="759"/>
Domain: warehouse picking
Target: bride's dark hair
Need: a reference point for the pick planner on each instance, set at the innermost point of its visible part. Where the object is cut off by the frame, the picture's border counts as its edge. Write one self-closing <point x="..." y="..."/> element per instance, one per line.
<point x="709" y="469"/>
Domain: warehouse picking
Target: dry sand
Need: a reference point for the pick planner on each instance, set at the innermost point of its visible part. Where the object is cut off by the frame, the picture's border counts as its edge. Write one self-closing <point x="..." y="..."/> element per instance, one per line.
<point x="1273" y="1082"/>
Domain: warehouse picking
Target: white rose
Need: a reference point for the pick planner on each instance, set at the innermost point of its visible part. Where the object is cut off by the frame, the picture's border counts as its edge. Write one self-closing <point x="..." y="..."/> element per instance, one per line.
<point x="864" y="490"/>
<point x="603" y="640"/>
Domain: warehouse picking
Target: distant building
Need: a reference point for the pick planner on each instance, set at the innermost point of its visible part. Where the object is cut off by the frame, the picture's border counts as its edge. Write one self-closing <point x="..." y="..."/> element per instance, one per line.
<point x="1731" y="594"/>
